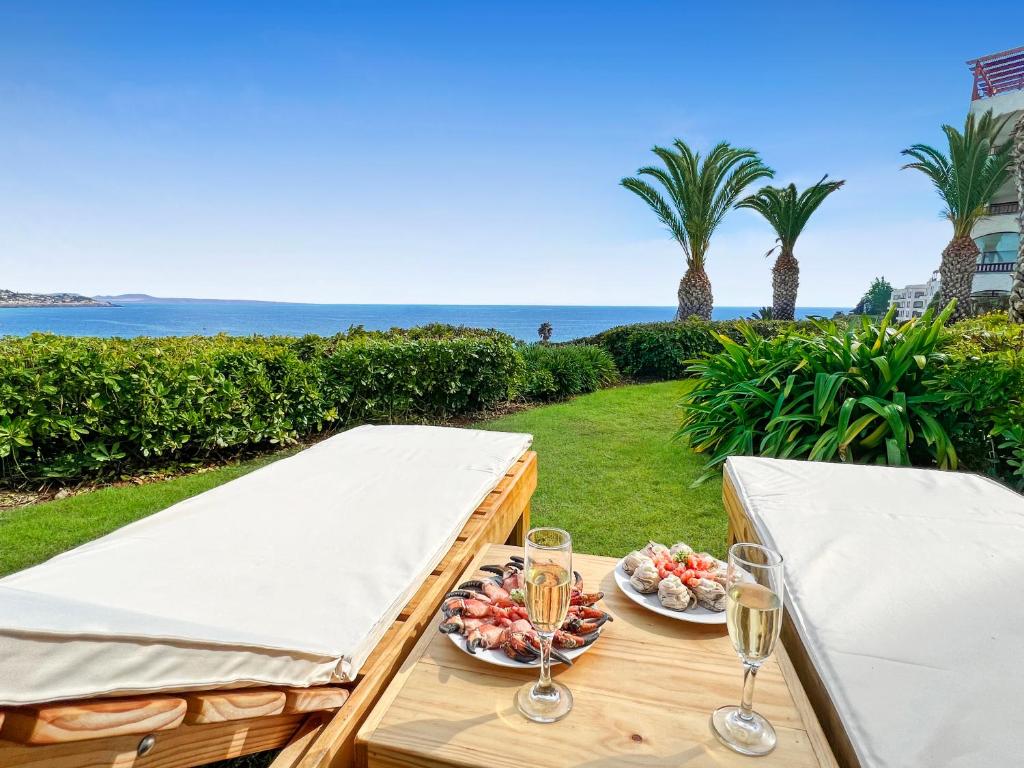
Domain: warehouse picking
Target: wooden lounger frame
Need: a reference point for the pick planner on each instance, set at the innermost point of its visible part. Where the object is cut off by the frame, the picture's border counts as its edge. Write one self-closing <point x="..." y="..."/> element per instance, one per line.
<point x="315" y="726"/>
<point x="741" y="529"/>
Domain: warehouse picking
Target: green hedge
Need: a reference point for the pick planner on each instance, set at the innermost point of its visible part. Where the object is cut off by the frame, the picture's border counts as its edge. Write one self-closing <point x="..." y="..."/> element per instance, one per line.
<point x="87" y="407"/>
<point x="981" y="382"/>
<point x="661" y="351"/>
<point x="558" y="372"/>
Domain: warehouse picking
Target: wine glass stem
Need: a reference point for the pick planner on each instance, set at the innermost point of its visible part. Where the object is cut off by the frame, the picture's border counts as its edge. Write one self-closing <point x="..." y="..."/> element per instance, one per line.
<point x="747" y="704"/>
<point x="545" y="660"/>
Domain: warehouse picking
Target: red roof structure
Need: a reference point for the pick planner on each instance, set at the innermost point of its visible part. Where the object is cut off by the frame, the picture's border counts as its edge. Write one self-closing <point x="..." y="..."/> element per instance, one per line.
<point x="998" y="73"/>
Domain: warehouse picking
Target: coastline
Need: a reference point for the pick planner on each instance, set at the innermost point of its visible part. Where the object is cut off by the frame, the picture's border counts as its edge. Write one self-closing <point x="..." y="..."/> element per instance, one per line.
<point x="45" y="305"/>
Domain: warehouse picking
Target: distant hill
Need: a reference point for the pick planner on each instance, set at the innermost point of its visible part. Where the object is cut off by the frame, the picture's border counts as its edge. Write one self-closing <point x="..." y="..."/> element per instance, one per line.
<point x="11" y="299"/>
<point x="145" y="298"/>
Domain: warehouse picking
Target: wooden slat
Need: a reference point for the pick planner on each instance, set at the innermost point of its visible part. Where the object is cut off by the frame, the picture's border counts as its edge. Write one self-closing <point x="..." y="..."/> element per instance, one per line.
<point x="184" y="747"/>
<point x="296" y="749"/>
<point x="418" y="597"/>
<point x="78" y="721"/>
<point x="314" y="699"/>
<point x="223" y="706"/>
<point x="741" y="529"/>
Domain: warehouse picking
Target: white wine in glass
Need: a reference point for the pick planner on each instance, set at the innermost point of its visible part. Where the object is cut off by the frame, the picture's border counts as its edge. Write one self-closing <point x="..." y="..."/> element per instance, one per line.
<point x="753" y="612"/>
<point x="547" y="568"/>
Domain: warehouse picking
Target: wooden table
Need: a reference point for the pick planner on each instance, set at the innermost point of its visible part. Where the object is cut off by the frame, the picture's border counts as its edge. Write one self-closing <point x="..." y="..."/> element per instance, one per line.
<point x="643" y="696"/>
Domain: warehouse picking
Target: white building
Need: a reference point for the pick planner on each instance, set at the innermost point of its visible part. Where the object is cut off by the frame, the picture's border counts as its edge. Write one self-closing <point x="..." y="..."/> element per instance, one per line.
<point x="999" y="86"/>
<point x="912" y="300"/>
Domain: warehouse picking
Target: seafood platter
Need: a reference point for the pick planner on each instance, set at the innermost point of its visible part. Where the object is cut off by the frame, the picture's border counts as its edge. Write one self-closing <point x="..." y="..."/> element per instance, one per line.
<point x="486" y="617"/>
<point x="675" y="581"/>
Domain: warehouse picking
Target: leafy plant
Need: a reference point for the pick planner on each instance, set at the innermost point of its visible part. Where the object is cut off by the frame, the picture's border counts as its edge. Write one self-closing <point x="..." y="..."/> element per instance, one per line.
<point x="855" y="395"/>
<point x="966" y="179"/>
<point x="981" y="389"/>
<point x="788" y="213"/>
<point x="700" y="192"/>
<point x="558" y="372"/>
<point x="1010" y="432"/>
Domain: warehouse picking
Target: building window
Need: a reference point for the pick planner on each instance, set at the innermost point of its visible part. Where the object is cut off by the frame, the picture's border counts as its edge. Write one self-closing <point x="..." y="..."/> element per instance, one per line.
<point x="918" y="303"/>
<point x="998" y="248"/>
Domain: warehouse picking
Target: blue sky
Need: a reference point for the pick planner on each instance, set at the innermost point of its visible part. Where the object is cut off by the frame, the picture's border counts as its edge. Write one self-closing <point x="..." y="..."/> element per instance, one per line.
<point x="461" y="152"/>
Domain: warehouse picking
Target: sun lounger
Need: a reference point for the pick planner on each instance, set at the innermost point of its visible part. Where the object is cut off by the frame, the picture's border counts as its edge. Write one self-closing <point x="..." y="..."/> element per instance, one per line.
<point x="901" y="611"/>
<point x="213" y="628"/>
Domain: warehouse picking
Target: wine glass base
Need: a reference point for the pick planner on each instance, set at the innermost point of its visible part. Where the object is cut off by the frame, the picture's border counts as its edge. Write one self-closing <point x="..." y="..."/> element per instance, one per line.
<point x="544" y="705"/>
<point x="748" y="736"/>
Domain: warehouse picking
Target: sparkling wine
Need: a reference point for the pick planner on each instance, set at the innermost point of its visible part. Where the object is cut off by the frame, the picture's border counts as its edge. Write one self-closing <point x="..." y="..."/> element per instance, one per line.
<point x="754" y="616"/>
<point x="547" y="596"/>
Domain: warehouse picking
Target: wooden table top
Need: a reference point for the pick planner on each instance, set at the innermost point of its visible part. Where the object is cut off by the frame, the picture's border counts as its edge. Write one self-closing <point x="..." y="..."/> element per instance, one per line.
<point x="643" y="695"/>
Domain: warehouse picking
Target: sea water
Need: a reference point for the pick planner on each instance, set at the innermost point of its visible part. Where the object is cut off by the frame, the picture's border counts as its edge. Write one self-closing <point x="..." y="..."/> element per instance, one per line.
<point x="245" y="318"/>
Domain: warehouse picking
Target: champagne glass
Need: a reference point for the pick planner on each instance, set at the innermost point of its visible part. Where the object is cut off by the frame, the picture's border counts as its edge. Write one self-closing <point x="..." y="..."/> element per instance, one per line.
<point x="548" y="571"/>
<point x="754" y="597"/>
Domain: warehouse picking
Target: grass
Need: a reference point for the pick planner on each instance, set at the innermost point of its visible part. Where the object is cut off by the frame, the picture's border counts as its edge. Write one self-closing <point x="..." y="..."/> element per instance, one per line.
<point x="609" y="473"/>
<point x="612" y="476"/>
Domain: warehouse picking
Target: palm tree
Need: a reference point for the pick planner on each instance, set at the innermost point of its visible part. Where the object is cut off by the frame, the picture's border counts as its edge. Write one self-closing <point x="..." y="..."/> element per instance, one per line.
<point x="1017" y="291"/>
<point x="700" y="193"/>
<point x="965" y="179"/>
<point x="788" y="213"/>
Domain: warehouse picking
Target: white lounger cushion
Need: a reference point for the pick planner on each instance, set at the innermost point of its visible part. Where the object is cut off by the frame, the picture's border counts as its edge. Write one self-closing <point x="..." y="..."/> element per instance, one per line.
<point x="903" y="585"/>
<point x="286" y="576"/>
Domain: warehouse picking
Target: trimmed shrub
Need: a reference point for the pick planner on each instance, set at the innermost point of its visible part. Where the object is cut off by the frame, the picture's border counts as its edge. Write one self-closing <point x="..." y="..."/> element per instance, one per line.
<point x="88" y="407"/>
<point x="981" y="385"/>
<point x="855" y="395"/>
<point x="555" y="373"/>
<point x="662" y="351"/>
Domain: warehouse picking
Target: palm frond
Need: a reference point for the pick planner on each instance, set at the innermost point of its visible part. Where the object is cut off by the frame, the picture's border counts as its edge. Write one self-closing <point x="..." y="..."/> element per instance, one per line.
<point x="661" y="209"/>
<point x="700" y="190"/>
<point x="788" y="212"/>
<point x="970" y="173"/>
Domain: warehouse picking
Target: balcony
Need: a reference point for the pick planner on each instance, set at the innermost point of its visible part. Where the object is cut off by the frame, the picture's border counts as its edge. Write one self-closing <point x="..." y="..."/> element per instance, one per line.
<point x="998" y="73"/>
<point x="998" y="209"/>
<point x="999" y="266"/>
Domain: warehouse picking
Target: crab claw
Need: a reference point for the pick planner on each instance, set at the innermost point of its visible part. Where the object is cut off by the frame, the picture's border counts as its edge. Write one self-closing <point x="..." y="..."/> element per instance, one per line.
<point x="468" y="594"/>
<point x="581" y="626"/>
<point x="452" y="625"/>
<point x="495" y="569"/>
<point x="578" y="579"/>
<point x="518" y="559"/>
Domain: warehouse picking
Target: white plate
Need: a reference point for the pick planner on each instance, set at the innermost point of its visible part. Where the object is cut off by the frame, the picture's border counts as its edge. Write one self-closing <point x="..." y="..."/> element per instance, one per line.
<point x="698" y="615"/>
<point x="498" y="657"/>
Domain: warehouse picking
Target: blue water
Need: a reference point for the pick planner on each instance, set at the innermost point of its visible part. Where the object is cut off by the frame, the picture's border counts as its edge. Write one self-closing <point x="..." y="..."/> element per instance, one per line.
<point x="244" y="318"/>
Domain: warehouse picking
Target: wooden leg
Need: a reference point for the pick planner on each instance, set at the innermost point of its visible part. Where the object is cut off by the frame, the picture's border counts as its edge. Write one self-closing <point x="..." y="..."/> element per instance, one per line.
<point x="518" y="536"/>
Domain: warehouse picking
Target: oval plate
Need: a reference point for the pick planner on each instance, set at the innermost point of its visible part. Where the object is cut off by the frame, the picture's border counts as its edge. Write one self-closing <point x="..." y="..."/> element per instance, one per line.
<point x="698" y="615"/>
<point x="498" y="657"/>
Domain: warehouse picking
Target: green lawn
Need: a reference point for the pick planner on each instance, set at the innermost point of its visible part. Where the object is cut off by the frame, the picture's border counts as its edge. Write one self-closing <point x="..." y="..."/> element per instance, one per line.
<point x="609" y="473"/>
<point x="612" y="476"/>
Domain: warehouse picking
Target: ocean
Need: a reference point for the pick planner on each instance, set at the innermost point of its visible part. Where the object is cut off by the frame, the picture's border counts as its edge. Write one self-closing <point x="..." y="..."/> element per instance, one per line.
<point x="245" y="318"/>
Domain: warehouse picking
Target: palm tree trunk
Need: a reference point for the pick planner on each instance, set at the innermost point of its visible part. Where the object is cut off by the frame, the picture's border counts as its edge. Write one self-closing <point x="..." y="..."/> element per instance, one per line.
<point x="695" y="295"/>
<point x="959" y="263"/>
<point x="1017" y="289"/>
<point x="785" y="283"/>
